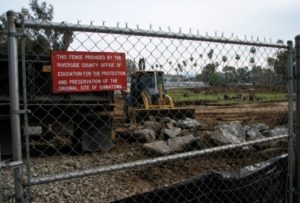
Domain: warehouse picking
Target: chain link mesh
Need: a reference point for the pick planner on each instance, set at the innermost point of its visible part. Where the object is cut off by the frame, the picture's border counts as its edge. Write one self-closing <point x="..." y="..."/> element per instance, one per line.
<point x="225" y="139"/>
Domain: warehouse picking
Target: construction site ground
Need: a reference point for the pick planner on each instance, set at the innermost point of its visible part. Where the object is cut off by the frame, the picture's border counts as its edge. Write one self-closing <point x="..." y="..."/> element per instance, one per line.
<point x="113" y="186"/>
<point x="270" y="113"/>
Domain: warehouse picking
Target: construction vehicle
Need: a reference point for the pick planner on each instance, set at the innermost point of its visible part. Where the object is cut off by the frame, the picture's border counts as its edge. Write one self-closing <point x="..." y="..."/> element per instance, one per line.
<point x="71" y="122"/>
<point x="148" y="98"/>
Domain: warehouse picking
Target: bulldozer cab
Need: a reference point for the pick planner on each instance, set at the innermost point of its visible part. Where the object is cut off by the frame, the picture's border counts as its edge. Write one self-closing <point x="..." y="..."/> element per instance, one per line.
<point x="150" y="82"/>
<point x="151" y="79"/>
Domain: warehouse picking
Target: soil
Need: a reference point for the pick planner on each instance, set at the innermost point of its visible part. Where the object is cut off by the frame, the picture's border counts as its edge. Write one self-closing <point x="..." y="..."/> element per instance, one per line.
<point x="113" y="186"/>
<point x="270" y="113"/>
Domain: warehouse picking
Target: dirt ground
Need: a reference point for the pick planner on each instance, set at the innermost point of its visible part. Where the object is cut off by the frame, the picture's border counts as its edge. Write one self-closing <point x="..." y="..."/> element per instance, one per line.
<point x="113" y="186"/>
<point x="270" y="113"/>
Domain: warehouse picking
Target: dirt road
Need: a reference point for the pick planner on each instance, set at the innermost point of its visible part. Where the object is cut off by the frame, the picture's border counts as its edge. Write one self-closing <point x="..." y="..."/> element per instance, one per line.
<point x="271" y="113"/>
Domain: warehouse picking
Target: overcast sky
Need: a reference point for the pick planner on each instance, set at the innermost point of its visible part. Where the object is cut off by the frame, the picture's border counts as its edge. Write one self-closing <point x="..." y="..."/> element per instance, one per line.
<point x="276" y="19"/>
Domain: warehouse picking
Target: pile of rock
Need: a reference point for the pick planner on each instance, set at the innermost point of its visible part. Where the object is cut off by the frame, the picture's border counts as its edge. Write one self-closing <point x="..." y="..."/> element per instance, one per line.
<point x="235" y="133"/>
<point x="169" y="136"/>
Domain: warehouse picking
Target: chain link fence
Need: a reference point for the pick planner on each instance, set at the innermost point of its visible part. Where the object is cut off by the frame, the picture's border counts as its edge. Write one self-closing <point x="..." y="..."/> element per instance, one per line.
<point x="203" y="119"/>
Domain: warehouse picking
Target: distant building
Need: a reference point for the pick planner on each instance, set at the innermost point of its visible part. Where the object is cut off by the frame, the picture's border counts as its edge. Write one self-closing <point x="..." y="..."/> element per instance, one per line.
<point x="179" y="81"/>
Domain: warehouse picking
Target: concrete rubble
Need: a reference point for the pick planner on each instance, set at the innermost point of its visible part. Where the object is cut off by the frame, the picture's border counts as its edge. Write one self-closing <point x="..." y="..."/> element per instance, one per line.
<point x="170" y="146"/>
<point x="170" y="133"/>
<point x="155" y="126"/>
<point x="232" y="133"/>
<point x="145" y="135"/>
<point x="189" y="123"/>
<point x="235" y="133"/>
<point x="279" y="131"/>
<point x="253" y="134"/>
<point x="261" y="127"/>
<point x="169" y="136"/>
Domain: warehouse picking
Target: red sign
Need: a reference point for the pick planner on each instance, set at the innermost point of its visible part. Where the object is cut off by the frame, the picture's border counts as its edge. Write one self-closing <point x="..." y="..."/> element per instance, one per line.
<point x="74" y="71"/>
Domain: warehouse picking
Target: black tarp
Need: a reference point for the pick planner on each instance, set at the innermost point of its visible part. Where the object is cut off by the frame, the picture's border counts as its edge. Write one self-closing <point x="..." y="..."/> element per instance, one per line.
<point x="262" y="182"/>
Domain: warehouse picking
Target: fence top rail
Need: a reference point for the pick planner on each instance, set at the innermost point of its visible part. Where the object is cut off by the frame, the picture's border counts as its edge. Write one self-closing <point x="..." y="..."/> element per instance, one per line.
<point x="147" y="33"/>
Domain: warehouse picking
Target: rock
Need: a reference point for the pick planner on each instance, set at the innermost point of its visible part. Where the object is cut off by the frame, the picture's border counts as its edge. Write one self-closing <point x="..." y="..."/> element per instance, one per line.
<point x="279" y="131"/>
<point x="180" y="143"/>
<point x="167" y="120"/>
<point x="253" y="134"/>
<point x="67" y="194"/>
<point x="246" y="128"/>
<point x="145" y="135"/>
<point x="159" y="147"/>
<point x="188" y="123"/>
<point x="232" y="133"/>
<point x="202" y="127"/>
<point x="168" y="123"/>
<point x="204" y="139"/>
<point x="152" y="125"/>
<point x="172" y="145"/>
<point x="171" y="125"/>
<point x="262" y="127"/>
<point x="170" y="133"/>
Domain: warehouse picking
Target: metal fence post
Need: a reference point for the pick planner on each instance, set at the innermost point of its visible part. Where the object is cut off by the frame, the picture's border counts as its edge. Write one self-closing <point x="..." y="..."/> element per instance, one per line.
<point x="297" y="44"/>
<point x="14" y="103"/>
<point x="290" y="121"/>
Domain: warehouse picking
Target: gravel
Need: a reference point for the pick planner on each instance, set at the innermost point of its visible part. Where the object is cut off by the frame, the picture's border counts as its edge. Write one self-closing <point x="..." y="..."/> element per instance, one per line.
<point x="114" y="186"/>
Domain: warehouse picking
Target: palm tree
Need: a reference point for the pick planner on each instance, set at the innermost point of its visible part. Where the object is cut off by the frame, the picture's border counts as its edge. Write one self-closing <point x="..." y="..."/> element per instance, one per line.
<point x="210" y="54"/>
<point x="224" y="59"/>
<point x="237" y="58"/>
<point x="252" y="59"/>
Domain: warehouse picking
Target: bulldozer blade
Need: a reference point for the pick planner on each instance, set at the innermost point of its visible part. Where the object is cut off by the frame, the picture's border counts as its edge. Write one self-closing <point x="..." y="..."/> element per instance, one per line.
<point x="141" y="115"/>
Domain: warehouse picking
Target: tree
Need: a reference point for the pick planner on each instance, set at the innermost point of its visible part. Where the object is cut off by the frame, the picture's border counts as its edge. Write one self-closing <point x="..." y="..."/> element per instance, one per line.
<point x="210" y="75"/>
<point x="39" y="42"/>
<point x="243" y="75"/>
<point x="230" y="74"/>
<point x="237" y="58"/>
<point x="269" y="77"/>
<point x="210" y="54"/>
<point x="3" y="25"/>
<point x="279" y="65"/>
<point x="257" y="75"/>
<point x="209" y="69"/>
<point x="252" y="58"/>
<point x="224" y="59"/>
<point x="131" y="66"/>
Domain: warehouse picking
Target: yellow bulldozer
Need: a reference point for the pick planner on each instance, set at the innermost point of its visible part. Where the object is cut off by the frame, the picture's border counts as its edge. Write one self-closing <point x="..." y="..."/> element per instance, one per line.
<point x="148" y="98"/>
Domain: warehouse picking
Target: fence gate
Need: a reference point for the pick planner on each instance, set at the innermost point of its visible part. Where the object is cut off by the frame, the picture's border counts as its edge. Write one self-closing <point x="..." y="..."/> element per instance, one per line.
<point x="120" y="114"/>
